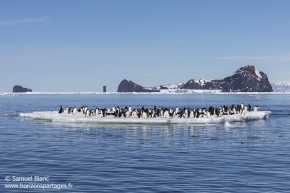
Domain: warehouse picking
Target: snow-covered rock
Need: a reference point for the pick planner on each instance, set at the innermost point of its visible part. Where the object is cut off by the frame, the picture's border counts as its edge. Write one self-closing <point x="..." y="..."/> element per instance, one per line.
<point x="130" y="86"/>
<point x="245" y="79"/>
<point x="281" y="86"/>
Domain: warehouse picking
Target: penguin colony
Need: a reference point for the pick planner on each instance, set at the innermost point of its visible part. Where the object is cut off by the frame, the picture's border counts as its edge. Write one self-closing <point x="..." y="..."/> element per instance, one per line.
<point x="163" y="112"/>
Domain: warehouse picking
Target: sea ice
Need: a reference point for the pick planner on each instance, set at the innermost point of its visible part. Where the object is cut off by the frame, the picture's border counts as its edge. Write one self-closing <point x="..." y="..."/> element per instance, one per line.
<point x="79" y="117"/>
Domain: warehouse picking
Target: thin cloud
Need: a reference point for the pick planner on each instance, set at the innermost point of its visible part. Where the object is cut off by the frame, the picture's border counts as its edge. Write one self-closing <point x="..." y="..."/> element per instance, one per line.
<point x="25" y="20"/>
<point x="283" y="58"/>
<point x="146" y="74"/>
<point x="246" y="58"/>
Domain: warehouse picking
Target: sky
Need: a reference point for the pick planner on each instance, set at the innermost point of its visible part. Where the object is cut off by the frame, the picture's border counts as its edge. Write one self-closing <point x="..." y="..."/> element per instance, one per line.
<point x="80" y="46"/>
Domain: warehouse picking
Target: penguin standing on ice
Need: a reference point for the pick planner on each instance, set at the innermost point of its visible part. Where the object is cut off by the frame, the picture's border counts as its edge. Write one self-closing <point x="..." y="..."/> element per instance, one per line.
<point x="172" y="113"/>
<point x="243" y="111"/>
<point x="191" y="114"/>
<point x="249" y="108"/>
<point x="242" y="105"/>
<point x="256" y="108"/>
<point x="85" y="109"/>
<point x="166" y="113"/>
<point x="208" y="114"/>
<point x="217" y="112"/>
<point x="74" y="111"/>
<point x="221" y="112"/>
<point x="145" y="114"/>
<point x="198" y="113"/>
<point x="234" y="111"/>
<point x="96" y="111"/>
<point x="134" y="114"/>
<point x="87" y="113"/>
<point x="127" y="114"/>
<point x="104" y="112"/>
<point x="61" y="109"/>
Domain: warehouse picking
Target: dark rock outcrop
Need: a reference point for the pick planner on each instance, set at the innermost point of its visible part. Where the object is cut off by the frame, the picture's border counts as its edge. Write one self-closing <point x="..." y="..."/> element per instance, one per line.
<point x="129" y="86"/>
<point x="245" y="79"/>
<point x="18" y="88"/>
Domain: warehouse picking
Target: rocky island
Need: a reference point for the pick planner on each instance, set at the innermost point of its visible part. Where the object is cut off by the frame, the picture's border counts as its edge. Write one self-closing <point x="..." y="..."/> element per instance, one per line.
<point x="18" y="88"/>
<point x="245" y="79"/>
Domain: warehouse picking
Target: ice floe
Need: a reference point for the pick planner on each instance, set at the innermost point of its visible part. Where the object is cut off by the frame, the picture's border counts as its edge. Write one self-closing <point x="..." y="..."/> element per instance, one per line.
<point x="79" y="117"/>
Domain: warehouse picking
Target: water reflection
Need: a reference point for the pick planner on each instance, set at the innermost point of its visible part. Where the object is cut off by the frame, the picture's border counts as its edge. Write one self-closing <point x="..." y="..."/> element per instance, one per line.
<point x="154" y="135"/>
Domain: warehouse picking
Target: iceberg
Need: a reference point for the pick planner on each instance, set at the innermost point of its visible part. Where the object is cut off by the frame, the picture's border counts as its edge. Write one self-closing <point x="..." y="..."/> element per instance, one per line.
<point x="54" y="116"/>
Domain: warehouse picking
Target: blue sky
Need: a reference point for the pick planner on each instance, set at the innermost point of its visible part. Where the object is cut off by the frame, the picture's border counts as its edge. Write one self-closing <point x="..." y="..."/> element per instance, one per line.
<point x="79" y="46"/>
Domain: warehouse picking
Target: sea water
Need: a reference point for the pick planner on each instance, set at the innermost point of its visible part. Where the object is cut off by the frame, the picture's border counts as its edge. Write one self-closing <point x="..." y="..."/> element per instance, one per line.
<point x="250" y="156"/>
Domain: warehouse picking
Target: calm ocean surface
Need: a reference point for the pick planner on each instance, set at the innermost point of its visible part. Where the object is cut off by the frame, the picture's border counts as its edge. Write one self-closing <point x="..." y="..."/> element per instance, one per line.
<point x="245" y="157"/>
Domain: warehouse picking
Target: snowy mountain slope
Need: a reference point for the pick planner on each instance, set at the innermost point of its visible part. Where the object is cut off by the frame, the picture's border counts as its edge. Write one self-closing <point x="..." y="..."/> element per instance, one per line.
<point x="281" y="86"/>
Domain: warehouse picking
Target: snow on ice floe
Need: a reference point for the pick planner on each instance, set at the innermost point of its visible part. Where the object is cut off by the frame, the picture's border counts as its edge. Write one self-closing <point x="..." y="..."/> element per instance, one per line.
<point x="9" y="94"/>
<point x="80" y="118"/>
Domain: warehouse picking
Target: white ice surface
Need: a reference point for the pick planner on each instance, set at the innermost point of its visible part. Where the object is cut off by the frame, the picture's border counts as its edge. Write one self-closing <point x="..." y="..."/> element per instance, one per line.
<point x="188" y="91"/>
<point x="79" y="117"/>
<point x="8" y="94"/>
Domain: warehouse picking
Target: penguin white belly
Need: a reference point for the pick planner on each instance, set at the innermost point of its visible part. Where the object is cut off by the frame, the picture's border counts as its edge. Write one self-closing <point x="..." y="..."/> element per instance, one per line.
<point x="207" y="114"/>
<point x="191" y="115"/>
<point x="134" y="114"/>
<point x="177" y="110"/>
<point x="144" y="115"/>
